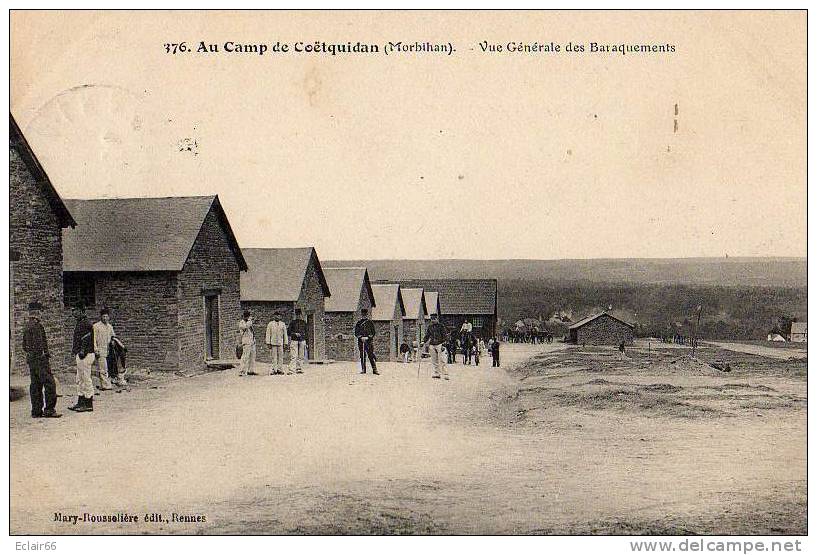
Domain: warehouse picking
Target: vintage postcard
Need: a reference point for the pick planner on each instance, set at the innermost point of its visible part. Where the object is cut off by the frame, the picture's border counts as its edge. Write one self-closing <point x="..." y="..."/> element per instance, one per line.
<point x="409" y="272"/>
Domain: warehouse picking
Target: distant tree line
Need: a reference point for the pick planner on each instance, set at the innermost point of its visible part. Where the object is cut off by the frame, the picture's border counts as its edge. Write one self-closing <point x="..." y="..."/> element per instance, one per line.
<point x="729" y="312"/>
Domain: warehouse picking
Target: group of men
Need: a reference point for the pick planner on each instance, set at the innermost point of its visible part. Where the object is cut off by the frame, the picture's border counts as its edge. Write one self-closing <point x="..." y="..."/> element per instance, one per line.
<point x="436" y="342"/>
<point x="277" y="337"/>
<point x="94" y="346"/>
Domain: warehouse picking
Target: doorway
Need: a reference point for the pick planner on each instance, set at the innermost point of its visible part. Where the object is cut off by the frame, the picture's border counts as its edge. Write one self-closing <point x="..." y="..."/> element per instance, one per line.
<point x="211" y="327"/>
<point x="310" y="336"/>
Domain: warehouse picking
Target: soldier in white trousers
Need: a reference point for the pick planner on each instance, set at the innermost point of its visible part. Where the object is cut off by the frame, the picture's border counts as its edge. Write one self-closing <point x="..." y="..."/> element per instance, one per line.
<point x="276" y="340"/>
<point x="245" y="328"/>
<point x="83" y="351"/>
<point x="297" y="343"/>
<point x="103" y="334"/>
<point x="434" y="340"/>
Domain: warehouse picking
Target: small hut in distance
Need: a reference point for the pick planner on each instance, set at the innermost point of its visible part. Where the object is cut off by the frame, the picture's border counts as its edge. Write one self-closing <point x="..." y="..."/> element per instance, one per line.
<point x="601" y="329"/>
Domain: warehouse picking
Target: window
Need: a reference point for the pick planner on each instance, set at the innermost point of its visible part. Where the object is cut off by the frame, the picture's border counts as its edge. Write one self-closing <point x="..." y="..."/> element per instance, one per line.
<point x="477" y="321"/>
<point x="78" y="288"/>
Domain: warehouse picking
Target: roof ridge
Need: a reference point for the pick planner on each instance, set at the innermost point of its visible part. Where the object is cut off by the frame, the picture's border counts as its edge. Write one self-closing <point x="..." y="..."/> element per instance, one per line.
<point x="142" y="198"/>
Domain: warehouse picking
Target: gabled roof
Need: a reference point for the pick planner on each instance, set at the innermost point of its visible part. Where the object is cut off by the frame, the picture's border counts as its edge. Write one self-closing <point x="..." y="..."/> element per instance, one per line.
<point x="459" y="296"/>
<point x="18" y="142"/>
<point x="592" y="317"/>
<point x="432" y="299"/>
<point x="279" y="274"/>
<point x="138" y="234"/>
<point x="387" y="296"/>
<point x="798" y="327"/>
<point x="414" y="302"/>
<point x="346" y="284"/>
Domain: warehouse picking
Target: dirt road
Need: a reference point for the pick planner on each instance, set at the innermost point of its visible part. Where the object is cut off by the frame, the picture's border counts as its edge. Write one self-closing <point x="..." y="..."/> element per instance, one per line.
<point x="331" y="451"/>
<point x="762" y="350"/>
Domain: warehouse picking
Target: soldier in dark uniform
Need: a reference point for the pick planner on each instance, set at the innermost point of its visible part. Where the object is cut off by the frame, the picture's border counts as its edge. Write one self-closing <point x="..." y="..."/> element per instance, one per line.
<point x="364" y="332"/>
<point x="35" y="345"/>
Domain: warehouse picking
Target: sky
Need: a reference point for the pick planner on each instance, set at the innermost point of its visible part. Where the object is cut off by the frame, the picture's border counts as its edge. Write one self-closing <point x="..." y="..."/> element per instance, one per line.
<point x="473" y="155"/>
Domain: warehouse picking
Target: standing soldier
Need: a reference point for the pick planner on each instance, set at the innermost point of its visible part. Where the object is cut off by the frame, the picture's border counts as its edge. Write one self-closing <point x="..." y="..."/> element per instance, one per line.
<point x="276" y="340"/>
<point x="103" y="334"/>
<point x="35" y="346"/>
<point x="245" y="328"/>
<point x="83" y="351"/>
<point x="435" y="337"/>
<point x="495" y="353"/>
<point x="364" y="332"/>
<point x="297" y="343"/>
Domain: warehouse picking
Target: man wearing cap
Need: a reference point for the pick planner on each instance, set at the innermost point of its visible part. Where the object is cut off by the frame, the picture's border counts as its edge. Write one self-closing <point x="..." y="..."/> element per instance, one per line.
<point x="276" y="340"/>
<point x="83" y="351"/>
<point x="364" y="331"/>
<point x="435" y="337"/>
<point x="35" y="345"/>
<point x="245" y="328"/>
<point x="103" y="334"/>
<point x="297" y="343"/>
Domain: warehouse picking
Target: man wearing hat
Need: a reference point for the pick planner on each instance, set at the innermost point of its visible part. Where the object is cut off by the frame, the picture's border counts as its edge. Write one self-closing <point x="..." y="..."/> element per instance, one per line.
<point x="103" y="335"/>
<point x="277" y="339"/>
<point x="297" y="343"/>
<point x="248" y="353"/>
<point x="435" y="337"/>
<point x="83" y="351"/>
<point x="35" y="345"/>
<point x="364" y="331"/>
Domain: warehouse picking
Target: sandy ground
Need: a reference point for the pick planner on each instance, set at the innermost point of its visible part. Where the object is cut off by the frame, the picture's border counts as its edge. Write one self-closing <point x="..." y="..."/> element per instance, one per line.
<point x="534" y="449"/>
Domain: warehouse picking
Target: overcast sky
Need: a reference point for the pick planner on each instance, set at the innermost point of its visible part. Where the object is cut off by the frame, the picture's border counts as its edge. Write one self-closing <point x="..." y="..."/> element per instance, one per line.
<point x="420" y="156"/>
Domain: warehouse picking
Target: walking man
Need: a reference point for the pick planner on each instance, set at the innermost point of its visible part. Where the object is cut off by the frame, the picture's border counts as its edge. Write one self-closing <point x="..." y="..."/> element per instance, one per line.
<point x="434" y="339"/>
<point x="83" y="351"/>
<point x="245" y="328"/>
<point x="43" y="388"/>
<point x="297" y="343"/>
<point x="103" y="334"/>
<point x="276" y="340"/>
<point x="364" y="332"/>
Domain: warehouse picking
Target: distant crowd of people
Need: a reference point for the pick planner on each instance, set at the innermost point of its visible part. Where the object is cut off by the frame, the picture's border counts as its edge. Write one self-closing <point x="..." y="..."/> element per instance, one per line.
<point x="527" y="336"/>
<point x="679" y="339"/>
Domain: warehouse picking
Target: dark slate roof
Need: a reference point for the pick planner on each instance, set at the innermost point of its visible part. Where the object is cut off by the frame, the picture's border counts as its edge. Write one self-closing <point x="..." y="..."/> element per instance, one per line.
<point x="346" y="285"/>
<point x="279" y="274"/>
<point x="459" y="296"/>
<point x="386" y="295"/>
<point x="592" y="317"/>
<point x="18" y="142"/>
<point x="138" y="234"/>
<point x="414" y="302"/>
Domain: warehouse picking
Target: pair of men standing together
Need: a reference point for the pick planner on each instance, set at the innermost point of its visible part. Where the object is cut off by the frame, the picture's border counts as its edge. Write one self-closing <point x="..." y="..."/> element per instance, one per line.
<point x="92" y="344"/>
<point x="434" y="338"/>
<point x="277" y="337"/>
